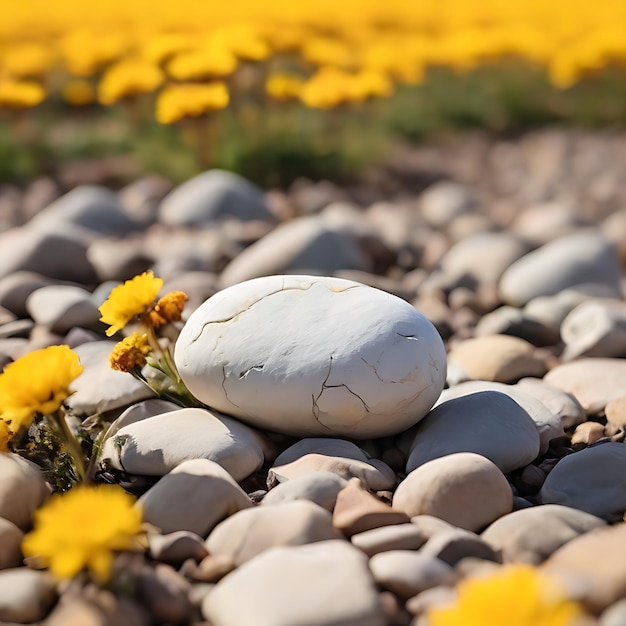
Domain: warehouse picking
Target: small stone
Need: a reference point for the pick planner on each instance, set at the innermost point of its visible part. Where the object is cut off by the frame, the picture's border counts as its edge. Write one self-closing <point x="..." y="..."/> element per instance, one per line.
<point x="558" y="402"/>
<point x="194" y="496"/>
<point x="10" y="544"/>
<point x="444" y="201"/>
<point x="464" y="489"/>
<point x="176" y="547"/>
<point x="590" y="480"/>
<point x="155" y="445"/>
<point x="489" y="423"/>
<point x="593" y="382"/>
<point x="326" y="583"/>
<point x="498" y="358"/>
<point x="615" y="615"/>
<point x="455" y="544"/>
<point x="16" y="287"/>
<point x="587" y="433"/>
<point x="214" y="195"/>
<point x="592" y="567"/>
<point x="394" y="537"/>
<point x="23" y="490"/>
<point x="320" y="487"/>
<point x="118" y="260"/>
<point x="533" y="534"/>
<point x="615" y="412"/>
<point x="508" y="320"/>
<point x="571" y="260"/>
<point x="211" y="569"/>
<point x="357" y="510"/>
<point x="25" y="595"/>
<point x="247" y="533"/>
<point x="372" y="368"/>
<point x="408" y="573"/>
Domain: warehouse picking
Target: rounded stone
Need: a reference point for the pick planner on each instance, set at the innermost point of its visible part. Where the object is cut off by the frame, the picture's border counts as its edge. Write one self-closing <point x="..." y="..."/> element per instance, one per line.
<point x="305" y="355"/>
<point x="464" y="489"/>
<point x="489" y="423"/>
<point x="590" y="480"/>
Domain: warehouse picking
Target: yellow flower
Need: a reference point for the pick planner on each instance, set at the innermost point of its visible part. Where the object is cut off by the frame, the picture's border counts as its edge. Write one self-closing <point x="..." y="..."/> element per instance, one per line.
<point x="283" y="86"/>
<point x="211" y="62"/>
<point x="169" y="308"/>
<point x="28" y="60"/>
<point x="130" y="77"/>
<point x="81" y="528"/>
<point x="517" y="595"/>
<point x="190" y="100"/>
<point x="130" y="353"/>
<point x="129" y="300"/>
<point x="20" y="94"/>
<point x="5" y="436"/>
<point x="36" y="383"/>
<point x="79" y="92"/>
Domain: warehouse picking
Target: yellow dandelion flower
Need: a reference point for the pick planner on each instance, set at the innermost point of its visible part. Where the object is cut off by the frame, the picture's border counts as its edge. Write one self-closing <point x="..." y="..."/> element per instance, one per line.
<point x="20" y="94"/>
<point x="161" y="47"/>
<point x="5" y="436"/>
<point x="28" y="60"/>
<point x="190" y="100"/>
<point x="211" y="62"/>
<point x="282" y="86"/>
<point x="329" y="87"/>
<point x="79" y="92"/>
<point x="82" y="528"/>
<point x="36" y="383"/>
<point x="129" y="300"/>
<point x="130" y="353"/>
<point x="371" y="84"/>
<point x="169" y="308"/>
<point x="517" y="595"/>
<point x="130" y="77"/>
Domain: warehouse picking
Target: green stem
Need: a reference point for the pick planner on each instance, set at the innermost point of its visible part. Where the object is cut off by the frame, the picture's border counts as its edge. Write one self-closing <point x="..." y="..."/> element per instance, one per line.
<point x="73" y="447"/>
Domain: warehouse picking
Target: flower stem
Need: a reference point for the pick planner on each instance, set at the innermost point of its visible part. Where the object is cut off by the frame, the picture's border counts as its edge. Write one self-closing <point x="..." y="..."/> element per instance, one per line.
<point x="73" y="447"/>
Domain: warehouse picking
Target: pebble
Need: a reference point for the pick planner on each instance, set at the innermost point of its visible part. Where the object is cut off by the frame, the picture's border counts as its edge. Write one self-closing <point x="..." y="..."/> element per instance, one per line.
<point x="533" y="534"/>
<point x="320" y="487"/>
<point x="23" y="490"/>
<point x="25" y="595"/>
<point x="587" y="433"/>
<point x="499" y="358"/>
<point x="155" y="445"/>
<point x="615" y="412"/>
<point x="464" y="489"/>
<point x="195" y="496"/>
<point x="576" y="259"/>
<point x="489" y="423"/>
<point x="593" y="382"/>
<point x="176" y="547"/>
<point x="325" y="584"/>
<point x="10" y="544"/>
<point x="590" y="480"/>
<point x="453" y="545"/>
<point x="509" y="320"/>
<point x="407" y="573"/>
<point x="372" y="368"/>
<point x="595" y="328"/>
<point x="592" y="567"/>
<point x="214" y="195"/>
<point x="443" y="202"/>
<point x="15" y="289"/>
<point x="395" y="537"/>
<point x="250" y="532"/>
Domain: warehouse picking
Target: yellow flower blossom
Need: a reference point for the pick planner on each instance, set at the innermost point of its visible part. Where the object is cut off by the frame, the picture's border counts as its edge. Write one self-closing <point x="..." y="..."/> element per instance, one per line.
<point x="130" y="77"/>
<point x="37" y="383"/>
<point x="82" y="528"/>
<point x="282" y="86"/>
<point x="190" y="100"/>
<point x="16" y="94"/>
<point x="130" y="353"/>
<point x="210" y="62"/>
<point x="159" y="48"/>
<point x="28" y="60"/>
<point x="135" y="297"/>
<point x="5" y="436"/>
<point x="169" y="308"/>
<point x="517" y="595"/>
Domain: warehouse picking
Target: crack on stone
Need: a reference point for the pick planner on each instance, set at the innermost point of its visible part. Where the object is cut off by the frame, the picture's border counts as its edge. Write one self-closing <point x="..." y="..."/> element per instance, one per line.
<point x="245" y="373"/>
<point x="224" y="387"/>
<point x="413" y="337"/>
<point x="372" y="366"/>
<point x="239" y="313"/>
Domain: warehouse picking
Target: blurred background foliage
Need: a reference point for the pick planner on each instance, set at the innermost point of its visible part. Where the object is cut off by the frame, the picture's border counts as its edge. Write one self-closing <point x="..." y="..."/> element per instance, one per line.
<point x="278" y="90"/>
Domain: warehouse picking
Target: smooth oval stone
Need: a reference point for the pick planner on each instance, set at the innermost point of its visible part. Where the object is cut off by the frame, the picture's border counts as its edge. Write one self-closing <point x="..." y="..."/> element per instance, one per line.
<point x="531" y="535"/>
<point x="590" y="480"/>
<point x="577" y="259"/>
<point x="558" y="402"/>
<point x="305" y="355"/>
<point x="319" y="487"/>
<point x="593" y="382"/>
<point x="489" y="423"/>
<point x="328" y="583"/>
<point x="155" y="445"/>
<point x="10" y="544"/>
<point x="464" y="489"/>
<point x="26" y="595"/>
<point x="212" y="196"/>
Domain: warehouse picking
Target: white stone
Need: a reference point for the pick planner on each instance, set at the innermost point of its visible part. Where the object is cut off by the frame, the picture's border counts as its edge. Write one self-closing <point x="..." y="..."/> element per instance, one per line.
<point x="305" y="355"/>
